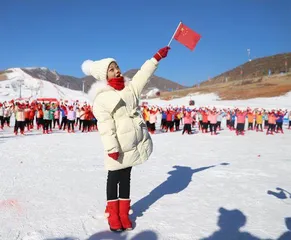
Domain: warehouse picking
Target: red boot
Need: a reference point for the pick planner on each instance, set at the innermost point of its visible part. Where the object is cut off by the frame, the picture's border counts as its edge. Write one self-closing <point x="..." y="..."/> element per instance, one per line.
<point x="112" y="214"/>
<point x="124" y="211"/>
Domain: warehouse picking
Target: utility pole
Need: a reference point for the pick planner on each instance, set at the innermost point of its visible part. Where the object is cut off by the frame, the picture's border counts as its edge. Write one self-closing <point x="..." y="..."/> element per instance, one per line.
<point x="249" y="54"/>
<point x="83" y="86"/>
<point x="20" y="84"/>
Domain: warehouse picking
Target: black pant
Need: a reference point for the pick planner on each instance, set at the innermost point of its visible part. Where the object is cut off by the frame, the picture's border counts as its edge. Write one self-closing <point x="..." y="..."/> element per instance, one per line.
<point x="152" y="127"/>
<point x="187" y="128"/>
<point x="279" y="126"/>
<point x="26" y="122"/>
<point x="213" y="127"/>
<point x="250" y="125"/>
<point x="219" y="124"/>
<point x="7" y="121"/>
<point x="119" y="177"/>
<point x="56" y="120"/>
<point x="163" y="123"/>
<point x="71" y="124"/>
<point x="177" y="124"/>
<point x="259" y="126"/>
<point x="86" y="125"/>
<point x="2" y="121"/>
<point x="81" y="123"/>
<point x="39" y="121"/>
<point x="46" y="123"/>
<point x="271" y="127"/>
<point x="64" y="123"/>
<point x="227" y="123"/>
<point x="240" y="127"/>
<point x="19" y="125"/>
<point x="205" y="126"/>
<point x="77" y="121"/>
<point x="289" y="123"/>
<point x="50" y="124"/>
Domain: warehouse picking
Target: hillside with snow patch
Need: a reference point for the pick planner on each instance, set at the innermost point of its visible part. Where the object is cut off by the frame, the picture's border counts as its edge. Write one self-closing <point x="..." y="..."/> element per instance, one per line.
<point x="32" y="88"/>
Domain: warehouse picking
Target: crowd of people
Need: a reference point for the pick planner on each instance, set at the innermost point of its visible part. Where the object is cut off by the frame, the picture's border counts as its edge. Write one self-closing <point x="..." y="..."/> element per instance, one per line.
<point x="209" y="120"/>
<point x="50" y="116"/>
<point x="47" y="116"/>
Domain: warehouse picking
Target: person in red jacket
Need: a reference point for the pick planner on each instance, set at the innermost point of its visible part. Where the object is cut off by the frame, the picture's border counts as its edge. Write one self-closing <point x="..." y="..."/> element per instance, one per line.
<point x="204" y="121"/>
<point x="170" y="120"/>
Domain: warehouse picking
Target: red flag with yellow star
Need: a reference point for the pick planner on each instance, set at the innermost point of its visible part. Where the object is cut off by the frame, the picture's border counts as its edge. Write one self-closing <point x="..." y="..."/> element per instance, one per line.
<point x="187" y="36"/>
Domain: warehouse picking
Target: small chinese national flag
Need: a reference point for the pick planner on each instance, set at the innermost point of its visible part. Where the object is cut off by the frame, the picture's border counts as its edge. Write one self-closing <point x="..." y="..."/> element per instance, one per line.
<point x="187" y="36"/>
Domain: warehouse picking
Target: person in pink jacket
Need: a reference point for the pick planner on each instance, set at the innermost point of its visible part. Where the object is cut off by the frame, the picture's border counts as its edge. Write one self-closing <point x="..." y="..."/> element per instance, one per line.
<point x="187" y="122"/>
<point x="271" y="123"/>
<point x="212" y="117"/>
<point x="240" y="118"/>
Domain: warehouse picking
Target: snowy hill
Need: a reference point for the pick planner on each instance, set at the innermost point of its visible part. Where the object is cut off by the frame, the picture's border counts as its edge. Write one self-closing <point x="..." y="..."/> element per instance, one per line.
<point x="33" y="87"/>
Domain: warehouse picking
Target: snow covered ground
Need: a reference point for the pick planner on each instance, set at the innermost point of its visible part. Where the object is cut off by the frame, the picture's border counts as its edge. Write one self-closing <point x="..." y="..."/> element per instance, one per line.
<point x="220" y="187"/>
<point x="196" y="186"/>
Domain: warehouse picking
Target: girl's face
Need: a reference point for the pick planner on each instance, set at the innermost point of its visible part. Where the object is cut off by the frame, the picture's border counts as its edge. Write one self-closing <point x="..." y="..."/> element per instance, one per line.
<point x="113" y="71"/>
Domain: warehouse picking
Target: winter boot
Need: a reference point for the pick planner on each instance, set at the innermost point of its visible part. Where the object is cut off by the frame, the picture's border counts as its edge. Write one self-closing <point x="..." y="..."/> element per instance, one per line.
<point x="124" y="211"/>
<point x="112" y="215"/>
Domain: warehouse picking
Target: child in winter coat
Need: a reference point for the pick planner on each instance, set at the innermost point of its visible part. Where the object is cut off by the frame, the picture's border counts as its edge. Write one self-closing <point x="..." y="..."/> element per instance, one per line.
<point x="271" y="122"/>
<point x="123" y="131"/>
<point x="250" y="116"/>
<point x="241" y="118"/>
<point x="71" y="117"/>
<point x="259" y="121"/>
<point x="279" y="121"/>
<point x="187" y="122"/>
<point x="212" y="117"/>
<point x="152" y="121"/>
<point x="164" y="120"/>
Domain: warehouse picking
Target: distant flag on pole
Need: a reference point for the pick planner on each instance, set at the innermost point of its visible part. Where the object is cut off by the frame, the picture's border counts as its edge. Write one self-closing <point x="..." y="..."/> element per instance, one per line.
<point x="186" y="36"/>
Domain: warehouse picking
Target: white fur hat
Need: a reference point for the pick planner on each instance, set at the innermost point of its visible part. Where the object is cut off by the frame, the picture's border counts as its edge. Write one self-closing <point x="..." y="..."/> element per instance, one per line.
<point x="97" y="69"/>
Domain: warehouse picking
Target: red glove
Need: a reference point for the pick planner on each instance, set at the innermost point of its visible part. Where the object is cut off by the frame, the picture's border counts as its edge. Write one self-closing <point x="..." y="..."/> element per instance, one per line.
<point x="162" y="53"/>
<point x="114" y="155"/>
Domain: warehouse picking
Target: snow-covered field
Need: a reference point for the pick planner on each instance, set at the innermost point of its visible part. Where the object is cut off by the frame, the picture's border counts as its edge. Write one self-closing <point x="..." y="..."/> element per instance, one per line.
<point x="193" y="187"/>
<point x="198" y="186"/>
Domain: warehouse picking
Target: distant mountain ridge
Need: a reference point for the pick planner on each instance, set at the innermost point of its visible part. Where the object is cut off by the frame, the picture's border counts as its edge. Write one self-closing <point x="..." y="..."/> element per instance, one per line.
<point x="255" y="68"/>
<point x="77" y="83"/>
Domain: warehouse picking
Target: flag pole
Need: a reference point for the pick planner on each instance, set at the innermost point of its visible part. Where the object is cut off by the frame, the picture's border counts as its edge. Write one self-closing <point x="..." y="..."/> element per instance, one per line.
<point x="174" y="34"/>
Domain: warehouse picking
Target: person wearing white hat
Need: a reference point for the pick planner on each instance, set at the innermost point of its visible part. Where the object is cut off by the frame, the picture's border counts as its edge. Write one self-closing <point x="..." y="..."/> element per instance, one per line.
<point x="122" y="129"/>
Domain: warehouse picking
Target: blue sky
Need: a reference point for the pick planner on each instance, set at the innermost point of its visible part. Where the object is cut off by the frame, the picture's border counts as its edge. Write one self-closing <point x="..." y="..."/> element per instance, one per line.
<point x="61" y="34"/>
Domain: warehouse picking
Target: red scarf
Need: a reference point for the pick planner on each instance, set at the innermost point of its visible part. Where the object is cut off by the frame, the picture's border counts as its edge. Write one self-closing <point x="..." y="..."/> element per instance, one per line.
<point x="116" y="83"/>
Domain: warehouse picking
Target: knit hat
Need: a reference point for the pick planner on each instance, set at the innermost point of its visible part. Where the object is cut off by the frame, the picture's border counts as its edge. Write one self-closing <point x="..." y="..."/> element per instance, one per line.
<point x="97" y="69"/>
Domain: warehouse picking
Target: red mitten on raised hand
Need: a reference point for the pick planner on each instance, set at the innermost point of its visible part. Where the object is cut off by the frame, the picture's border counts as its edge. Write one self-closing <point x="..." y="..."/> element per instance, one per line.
<point x="114" y="155"/>
<point x="162" y="53"/>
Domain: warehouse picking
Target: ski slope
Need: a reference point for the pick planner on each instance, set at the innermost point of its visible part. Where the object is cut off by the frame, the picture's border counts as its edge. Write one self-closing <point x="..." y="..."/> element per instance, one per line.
<point x="33" y="88"/>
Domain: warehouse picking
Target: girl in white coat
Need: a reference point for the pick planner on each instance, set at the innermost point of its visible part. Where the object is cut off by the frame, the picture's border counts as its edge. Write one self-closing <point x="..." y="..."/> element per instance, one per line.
<point x="122" y="129"/>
